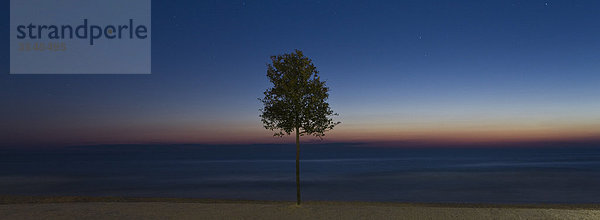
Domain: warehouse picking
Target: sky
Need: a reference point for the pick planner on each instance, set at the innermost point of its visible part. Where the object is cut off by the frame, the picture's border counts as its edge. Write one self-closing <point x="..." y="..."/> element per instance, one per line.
<point x="422" y="71"/>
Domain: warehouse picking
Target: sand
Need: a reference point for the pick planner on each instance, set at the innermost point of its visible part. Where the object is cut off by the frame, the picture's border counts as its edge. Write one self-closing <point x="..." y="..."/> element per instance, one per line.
<point x="60" y="208"/>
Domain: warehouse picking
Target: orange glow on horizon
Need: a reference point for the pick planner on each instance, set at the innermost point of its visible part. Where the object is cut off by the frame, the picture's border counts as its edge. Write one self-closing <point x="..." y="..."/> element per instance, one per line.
<point x="254" y="133"/>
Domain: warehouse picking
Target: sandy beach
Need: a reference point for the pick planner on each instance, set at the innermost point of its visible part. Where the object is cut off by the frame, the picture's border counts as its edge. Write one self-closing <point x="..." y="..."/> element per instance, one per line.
<point x="121" y="208"/>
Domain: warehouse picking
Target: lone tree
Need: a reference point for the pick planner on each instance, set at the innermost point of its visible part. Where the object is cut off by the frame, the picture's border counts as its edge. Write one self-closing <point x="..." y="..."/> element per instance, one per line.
<point x="296" y="102"/>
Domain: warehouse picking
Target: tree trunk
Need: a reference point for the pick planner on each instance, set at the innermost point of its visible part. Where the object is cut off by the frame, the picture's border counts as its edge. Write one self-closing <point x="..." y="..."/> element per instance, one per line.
<point x="298" y="165"/>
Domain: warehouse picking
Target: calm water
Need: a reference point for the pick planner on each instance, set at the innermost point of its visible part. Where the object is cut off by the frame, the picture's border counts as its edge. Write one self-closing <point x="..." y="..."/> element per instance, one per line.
<point x="329" y="172"/>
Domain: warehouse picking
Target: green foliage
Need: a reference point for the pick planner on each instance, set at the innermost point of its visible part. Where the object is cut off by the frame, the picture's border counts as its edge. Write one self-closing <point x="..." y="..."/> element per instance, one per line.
<point x="298" y="98"/>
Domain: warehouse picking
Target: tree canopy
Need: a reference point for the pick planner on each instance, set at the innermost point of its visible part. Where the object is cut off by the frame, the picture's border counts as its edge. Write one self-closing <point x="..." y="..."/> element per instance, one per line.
<point x="298" y="98"/>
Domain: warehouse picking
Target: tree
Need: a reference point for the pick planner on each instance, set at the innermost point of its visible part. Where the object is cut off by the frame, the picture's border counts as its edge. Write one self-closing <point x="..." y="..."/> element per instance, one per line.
<point x="296" y="102"/>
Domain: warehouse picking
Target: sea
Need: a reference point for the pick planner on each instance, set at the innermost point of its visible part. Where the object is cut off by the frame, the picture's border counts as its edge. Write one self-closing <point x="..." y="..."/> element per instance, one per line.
<point x="330" y="172"/>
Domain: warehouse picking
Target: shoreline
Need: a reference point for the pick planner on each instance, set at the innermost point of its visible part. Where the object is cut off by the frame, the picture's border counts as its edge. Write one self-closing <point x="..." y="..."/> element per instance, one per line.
<point x="79" y="207"/>
<point x="18" y="199"/>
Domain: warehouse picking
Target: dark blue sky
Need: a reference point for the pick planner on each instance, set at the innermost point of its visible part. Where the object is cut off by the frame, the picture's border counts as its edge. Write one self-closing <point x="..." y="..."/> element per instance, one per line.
<point x="398" y="70"/>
